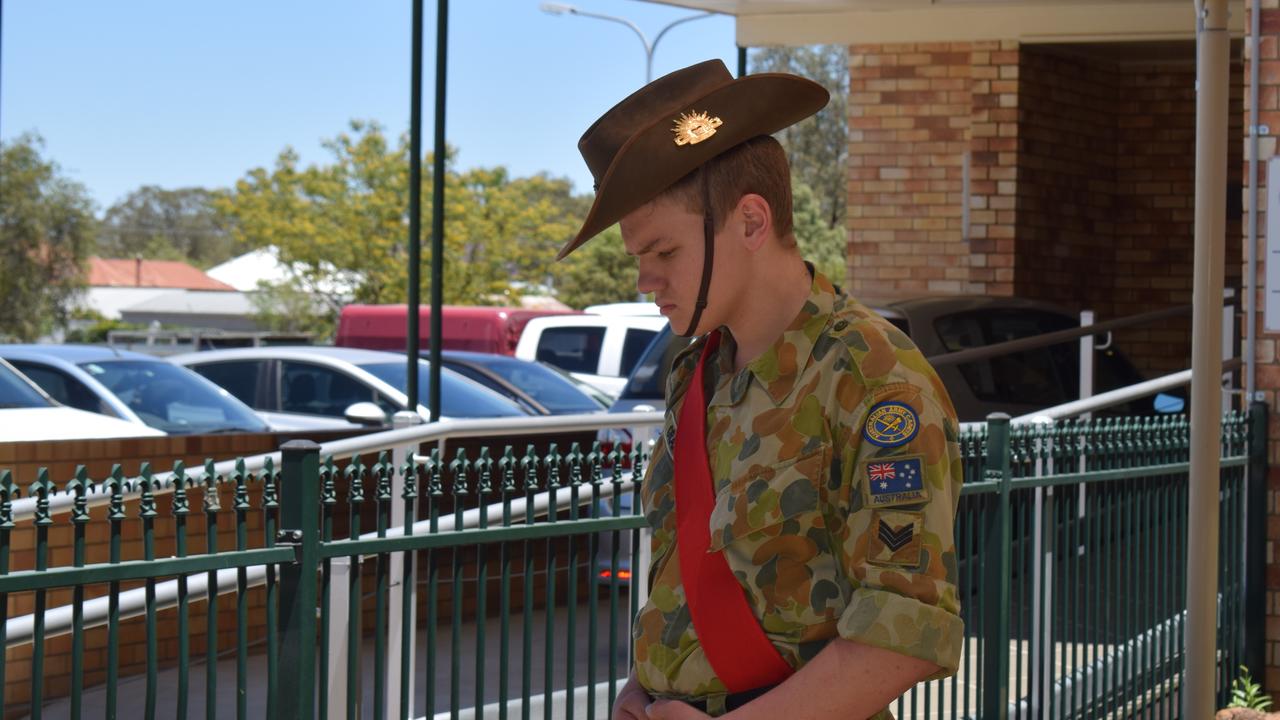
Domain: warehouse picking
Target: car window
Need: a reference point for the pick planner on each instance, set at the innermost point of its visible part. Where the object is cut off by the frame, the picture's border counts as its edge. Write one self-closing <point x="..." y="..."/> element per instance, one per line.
<point x="556" y="392"/>
<point x="648" y="380"/>
<point x="16" y="392"/>
<point x="172" y="398"/>
<point x="317" y="390"/>
<point x="459" y="397"/>
<point x="633" y="347"/>
<point x="576" y="349"/>
<point x="238" y="377"/>
<point x="1037" y="377"/>
<point x="63" y="388"/>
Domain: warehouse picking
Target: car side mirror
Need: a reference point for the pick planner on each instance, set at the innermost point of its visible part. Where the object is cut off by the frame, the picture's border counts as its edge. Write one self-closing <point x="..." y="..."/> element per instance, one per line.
<point x="1165" y="403"/>
<point x="365" y="413"/>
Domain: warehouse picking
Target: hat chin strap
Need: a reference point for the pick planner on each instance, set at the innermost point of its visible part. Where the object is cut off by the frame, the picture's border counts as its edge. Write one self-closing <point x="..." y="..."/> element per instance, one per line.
<point x="708" y="259"/>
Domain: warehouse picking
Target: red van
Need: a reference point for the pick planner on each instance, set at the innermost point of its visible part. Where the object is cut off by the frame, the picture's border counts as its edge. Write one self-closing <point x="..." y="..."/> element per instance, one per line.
<point x="475" y="328"/>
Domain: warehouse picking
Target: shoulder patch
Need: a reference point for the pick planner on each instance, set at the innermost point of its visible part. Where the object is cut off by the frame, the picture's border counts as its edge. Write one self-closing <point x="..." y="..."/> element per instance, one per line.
<point x="889" y="482"/>
<point x="895" y="538"/>
<point x="890" y="424"/>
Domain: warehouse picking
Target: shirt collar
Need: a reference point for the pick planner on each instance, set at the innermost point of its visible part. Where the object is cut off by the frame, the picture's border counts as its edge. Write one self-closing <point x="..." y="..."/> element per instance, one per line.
<point x="777" y="368"/>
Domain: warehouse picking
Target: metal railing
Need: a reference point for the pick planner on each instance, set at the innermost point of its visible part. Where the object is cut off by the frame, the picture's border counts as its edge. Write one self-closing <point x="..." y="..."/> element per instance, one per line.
<point x="1068" y="556"/>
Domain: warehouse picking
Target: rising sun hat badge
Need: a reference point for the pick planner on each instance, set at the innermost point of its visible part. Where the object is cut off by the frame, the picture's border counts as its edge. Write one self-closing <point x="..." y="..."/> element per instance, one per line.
<point x="692" y="128"/>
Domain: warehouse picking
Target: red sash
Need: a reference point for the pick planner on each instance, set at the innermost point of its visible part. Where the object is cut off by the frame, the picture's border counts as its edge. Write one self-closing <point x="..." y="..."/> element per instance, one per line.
<point x="731" y="636"/>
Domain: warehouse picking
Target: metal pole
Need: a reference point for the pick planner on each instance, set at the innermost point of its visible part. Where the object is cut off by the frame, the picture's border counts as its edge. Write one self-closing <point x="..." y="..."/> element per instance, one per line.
<point x="300" y="523"/>
<point x="742" y="61"/>
<point x="415" y="210"/>
<point x="1251" y="275"/>
<point x="437" y="209"/>
<point x="1212" y="83"/>
<point x="400" y="456"/>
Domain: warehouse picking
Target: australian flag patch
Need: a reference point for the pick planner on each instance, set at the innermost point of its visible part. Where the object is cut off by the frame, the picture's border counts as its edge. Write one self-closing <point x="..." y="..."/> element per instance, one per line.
<point x="890" y="482"/>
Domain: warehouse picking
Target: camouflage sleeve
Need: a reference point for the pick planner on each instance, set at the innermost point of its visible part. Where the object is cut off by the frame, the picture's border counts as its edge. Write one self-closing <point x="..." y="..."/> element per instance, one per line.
<point x="900" y="482"/>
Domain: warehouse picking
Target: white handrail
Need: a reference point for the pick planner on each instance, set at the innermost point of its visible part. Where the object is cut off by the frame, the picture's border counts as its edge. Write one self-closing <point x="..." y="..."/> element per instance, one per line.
<point x="60" y="502"/>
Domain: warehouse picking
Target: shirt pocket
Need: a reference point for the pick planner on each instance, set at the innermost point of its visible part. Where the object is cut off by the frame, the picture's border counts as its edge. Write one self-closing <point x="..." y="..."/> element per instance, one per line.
<point x="770" y="526"/>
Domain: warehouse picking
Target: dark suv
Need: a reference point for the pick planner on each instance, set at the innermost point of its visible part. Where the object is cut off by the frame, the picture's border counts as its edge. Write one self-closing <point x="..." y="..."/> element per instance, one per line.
<point x="1016" y="383"/>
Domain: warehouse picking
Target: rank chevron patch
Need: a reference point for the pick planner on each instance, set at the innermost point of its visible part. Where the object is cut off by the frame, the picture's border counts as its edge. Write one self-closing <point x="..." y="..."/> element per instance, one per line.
<point x="896" y="538"/>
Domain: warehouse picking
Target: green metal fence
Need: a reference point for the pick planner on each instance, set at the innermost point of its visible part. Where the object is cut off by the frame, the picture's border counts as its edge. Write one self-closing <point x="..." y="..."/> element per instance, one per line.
<point x="500" y="592"/>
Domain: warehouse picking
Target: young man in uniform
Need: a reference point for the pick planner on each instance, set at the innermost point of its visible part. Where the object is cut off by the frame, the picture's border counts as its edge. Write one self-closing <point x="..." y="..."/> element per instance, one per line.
<point x="803" y="492"/>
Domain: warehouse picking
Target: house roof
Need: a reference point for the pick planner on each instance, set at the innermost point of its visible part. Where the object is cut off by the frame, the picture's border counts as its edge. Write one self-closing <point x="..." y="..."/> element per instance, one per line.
<point x="105" y="272"/>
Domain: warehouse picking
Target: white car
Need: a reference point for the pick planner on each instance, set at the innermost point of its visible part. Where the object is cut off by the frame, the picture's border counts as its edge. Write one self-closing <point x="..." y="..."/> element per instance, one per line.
<point x="27" y="413"/>
<point x="598" y="349"/>
<point x="316" y="387"/>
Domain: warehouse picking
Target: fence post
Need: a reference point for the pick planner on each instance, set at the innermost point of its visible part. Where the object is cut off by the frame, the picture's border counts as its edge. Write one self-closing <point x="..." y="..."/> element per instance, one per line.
<point x="995" y="574"/>
<point x="1255" y="572"/>
<point x="300" y="523"/>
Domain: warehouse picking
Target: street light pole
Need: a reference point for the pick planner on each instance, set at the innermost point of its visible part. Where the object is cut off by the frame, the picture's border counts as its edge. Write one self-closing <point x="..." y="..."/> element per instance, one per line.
<point x="561" y="9"/>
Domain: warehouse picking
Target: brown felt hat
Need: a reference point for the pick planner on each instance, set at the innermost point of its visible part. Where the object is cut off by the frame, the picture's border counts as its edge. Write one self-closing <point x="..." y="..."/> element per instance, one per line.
<point x="673" y="125"/>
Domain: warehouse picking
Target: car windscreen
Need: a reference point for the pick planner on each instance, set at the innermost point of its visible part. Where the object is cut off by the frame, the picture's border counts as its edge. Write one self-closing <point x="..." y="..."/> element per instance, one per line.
<point x="648" y="381"/>
<point x="173" y="399"/>
<point x="543" y="384"/>
<point x="15" y="392"/>
<point x="459" y="397"/>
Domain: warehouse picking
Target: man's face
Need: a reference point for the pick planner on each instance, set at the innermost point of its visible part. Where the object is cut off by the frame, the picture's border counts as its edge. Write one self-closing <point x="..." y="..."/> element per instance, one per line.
<point x="667" y="242"/>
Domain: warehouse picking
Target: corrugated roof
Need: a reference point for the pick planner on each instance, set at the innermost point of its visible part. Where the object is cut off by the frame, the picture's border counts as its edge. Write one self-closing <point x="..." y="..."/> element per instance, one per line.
<point x="105" y="272"/>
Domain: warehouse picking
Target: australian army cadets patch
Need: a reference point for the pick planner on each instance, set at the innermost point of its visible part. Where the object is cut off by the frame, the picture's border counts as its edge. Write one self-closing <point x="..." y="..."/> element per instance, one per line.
<point x="890" y="482"/>
<point x="890" y="424"/>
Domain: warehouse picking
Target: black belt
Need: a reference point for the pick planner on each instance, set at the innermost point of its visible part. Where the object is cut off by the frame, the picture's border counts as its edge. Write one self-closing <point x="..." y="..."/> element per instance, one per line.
<point x="733" y="701"/>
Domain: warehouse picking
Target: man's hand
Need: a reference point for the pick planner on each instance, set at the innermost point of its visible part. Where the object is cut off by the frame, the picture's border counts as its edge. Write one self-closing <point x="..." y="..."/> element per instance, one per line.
<point x="673" y="710"/>
<point x="631" y="702"/>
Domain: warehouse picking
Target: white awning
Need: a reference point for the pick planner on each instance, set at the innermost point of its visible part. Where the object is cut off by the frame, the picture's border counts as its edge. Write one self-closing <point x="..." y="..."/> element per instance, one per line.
<point x="852" y="22"/>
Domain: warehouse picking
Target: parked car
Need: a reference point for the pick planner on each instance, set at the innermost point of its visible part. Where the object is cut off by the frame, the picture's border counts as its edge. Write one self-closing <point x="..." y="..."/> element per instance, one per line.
<point x="598" y="349"/>
<point x="28" y="413"/>
<point x="537" y="387"/>
<point x="313" y="387"/>
<point x="477" y="329"/>
<point x="134" y="387"/>
<point x="1016" y="383"/>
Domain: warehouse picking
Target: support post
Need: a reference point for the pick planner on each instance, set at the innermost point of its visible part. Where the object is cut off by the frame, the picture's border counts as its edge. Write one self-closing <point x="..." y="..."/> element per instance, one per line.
<point x="1213" y="49"/>
<point x="995" y="575"/>
<point x="300" y="523"/>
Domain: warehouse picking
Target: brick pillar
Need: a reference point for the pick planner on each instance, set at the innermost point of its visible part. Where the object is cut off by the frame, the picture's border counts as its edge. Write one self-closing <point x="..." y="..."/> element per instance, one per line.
<point x="993" y="175"/>
<point x="915" y="112"/>
<point x="1268" y="365"/>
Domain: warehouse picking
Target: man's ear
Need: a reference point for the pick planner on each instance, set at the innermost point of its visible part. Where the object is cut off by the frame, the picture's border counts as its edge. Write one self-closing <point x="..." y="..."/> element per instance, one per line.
<point x="756" y="218"/>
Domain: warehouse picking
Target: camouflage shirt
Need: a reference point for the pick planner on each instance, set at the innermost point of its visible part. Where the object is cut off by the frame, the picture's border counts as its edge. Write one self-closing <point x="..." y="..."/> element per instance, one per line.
<point x="837" y="468"/>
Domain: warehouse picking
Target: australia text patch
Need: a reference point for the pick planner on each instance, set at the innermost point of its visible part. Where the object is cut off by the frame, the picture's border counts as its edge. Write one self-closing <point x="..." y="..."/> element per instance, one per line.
<point x="895" y="481"/>
<point x="890" y="424"/>
<point x="895" y="538"/>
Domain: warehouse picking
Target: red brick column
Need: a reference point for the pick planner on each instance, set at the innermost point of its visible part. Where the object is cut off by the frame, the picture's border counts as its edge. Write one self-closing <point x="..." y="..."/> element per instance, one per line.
<point x="915" y="112"/>
<point x="1268" y="366"/>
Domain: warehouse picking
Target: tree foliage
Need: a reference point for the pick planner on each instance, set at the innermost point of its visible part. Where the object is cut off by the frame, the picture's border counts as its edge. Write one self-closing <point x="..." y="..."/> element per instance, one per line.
<point x="46" y="232"/>
<point x="819" y="243"/>
<point x="598" y="272"/>
<point x="182" y="224"/>
<point x="349" y="215"/>
<point x="818" y="146"/>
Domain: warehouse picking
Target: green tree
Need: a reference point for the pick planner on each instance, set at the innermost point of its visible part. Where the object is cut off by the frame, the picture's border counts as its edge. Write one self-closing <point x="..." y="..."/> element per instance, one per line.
<point x="46" y="232"/>
<point x="183" y="224"/>
<point x="598" y="272"/>
<point x="819" y="243"/>
<point x="818" y="146"/>
<point x="285" y="307"/>
<point x="349" y="216"/>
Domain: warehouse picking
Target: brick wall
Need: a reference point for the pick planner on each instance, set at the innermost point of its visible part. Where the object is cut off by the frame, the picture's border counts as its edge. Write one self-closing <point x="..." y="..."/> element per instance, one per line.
<point x="1080" y="180"/>
<point x="1268" y="363"/>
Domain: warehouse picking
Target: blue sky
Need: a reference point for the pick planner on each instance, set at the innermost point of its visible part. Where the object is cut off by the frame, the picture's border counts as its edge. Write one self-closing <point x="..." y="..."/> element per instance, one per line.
<point x="179" y="94"/>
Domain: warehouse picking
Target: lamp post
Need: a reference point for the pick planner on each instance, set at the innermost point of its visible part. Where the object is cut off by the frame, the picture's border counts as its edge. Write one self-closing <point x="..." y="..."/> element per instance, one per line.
<point x="562" y="9"/>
